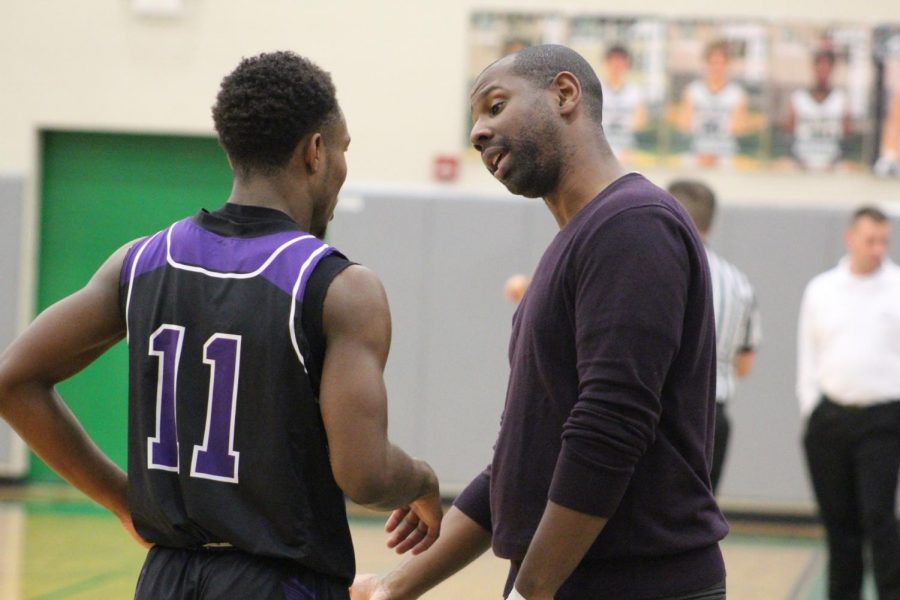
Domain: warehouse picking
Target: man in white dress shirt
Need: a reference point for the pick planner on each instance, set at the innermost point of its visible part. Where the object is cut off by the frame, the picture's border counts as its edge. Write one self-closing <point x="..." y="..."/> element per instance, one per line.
<point x="848" y="384"/>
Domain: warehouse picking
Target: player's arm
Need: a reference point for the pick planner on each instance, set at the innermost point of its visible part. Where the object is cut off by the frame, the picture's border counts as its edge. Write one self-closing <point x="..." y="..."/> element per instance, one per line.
<point x="790" y="119"/>
<point x="847" y="123"/>
<point x="890" y="138"/>
<point x="741" y="124"/>
<point x="366" y="465"/>
<point x="684" y="112"/>
<point x="62" y="341"/>
<point x="639" y="117"/>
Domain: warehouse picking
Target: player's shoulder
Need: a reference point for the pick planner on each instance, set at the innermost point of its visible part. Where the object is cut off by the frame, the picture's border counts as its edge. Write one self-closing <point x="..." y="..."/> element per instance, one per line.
<point x="632" y="91"/>
<point x="356" y="289"/>
<point x="838" y="97"/>
<point x="800" y="97"/>
<point x="696" y="89"/>
<point x="734" y="91"/>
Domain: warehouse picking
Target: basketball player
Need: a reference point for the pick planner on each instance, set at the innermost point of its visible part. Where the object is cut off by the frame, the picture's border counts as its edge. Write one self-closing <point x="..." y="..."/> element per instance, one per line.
<point x="713" y="110"/>
<point x="599" y="485"/>
<point x="256" y="351"/>
<point x="889" y="156"/>
<point x="624" y="110"/>
<point x="818" y="118"/>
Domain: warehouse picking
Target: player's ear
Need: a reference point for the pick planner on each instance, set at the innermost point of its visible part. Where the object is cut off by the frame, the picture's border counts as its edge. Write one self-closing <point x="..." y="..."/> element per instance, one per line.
<point x="567" y="90"/>
<point x="312" y="149"/>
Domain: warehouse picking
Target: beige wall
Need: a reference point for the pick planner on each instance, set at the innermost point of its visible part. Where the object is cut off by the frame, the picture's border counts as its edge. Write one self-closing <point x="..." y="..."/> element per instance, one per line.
<point x="399" y="67"/>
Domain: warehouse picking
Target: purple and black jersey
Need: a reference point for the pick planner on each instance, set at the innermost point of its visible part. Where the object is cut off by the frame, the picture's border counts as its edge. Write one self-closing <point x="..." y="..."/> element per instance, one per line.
<point x="226" y="441"/>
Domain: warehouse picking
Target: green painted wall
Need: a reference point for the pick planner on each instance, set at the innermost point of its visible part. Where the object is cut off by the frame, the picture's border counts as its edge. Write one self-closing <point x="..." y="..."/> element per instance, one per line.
<point x="100" y="191"/>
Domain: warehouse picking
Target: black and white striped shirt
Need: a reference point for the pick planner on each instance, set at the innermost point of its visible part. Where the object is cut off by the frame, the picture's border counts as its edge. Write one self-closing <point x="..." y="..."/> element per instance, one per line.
<point x="737" y="320"/>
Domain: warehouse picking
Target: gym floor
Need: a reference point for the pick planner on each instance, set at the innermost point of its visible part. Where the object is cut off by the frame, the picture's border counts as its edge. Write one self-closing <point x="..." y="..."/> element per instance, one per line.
<point x="56" y="545"/>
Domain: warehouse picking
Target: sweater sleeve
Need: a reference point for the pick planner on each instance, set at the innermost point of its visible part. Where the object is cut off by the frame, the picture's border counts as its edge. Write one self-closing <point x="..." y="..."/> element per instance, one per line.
<point x="631" y="294"/>
<point x="475" y="500"/>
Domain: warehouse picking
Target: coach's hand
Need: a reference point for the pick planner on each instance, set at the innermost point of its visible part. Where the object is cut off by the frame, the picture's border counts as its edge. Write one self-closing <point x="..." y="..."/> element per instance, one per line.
<point x="369" y="587"/>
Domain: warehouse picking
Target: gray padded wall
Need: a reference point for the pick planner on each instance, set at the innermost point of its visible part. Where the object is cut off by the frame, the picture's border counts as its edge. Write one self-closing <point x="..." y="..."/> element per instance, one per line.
<point x="12" y="199"/>
<point x="443" y="258"/>
<point x="443" y="261"/>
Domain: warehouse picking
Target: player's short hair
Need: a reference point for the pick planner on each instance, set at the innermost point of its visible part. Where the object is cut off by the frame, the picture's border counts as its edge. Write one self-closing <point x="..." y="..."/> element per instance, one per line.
<point x="618" y="50"/>
<point x="720" y="45"/>
<point x="869" y="212"/>
<point x="698" y="199"/>
<point x="267" y="105"/>
<point x="541" y="64"/>
<point x="825" y="54"/>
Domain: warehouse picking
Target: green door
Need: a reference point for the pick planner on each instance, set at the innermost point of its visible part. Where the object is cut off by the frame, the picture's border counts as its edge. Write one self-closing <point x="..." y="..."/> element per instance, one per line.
<point x="99" y="191"/>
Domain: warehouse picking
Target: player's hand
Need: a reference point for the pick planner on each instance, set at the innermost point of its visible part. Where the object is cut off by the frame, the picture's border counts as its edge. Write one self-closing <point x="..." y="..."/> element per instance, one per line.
<point x="125" y="520"/>
<point x="417" y="526"/>
<point x="368" y="587"/>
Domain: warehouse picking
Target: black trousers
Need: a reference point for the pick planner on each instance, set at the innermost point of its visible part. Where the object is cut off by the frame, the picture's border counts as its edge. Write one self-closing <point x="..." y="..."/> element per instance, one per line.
<point x="720" y="444"/>
<point x="853" y="456"/>
<point x="183" y="574"/>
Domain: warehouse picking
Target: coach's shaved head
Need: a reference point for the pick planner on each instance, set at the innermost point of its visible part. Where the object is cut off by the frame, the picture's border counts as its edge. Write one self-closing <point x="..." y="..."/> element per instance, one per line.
<point x="541" y="64"/>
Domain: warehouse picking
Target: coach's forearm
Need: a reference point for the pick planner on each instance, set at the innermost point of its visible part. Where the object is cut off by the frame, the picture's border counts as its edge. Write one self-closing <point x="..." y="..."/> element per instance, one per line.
<point x="562" y="539"/>
<point x="462" y="541"/>
<point x="41" y="418"/>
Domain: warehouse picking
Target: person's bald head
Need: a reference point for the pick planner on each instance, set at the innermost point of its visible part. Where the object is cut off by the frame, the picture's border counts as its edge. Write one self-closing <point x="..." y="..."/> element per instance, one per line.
<point x="541" y="64"/>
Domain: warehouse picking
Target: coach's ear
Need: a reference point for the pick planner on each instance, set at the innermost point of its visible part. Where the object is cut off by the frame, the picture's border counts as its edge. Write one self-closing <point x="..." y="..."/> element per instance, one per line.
<point x="567" y="90"/>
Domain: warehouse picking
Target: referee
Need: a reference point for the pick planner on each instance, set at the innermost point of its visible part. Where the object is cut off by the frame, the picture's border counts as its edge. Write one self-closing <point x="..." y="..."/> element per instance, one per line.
<point x="738" y="330"/>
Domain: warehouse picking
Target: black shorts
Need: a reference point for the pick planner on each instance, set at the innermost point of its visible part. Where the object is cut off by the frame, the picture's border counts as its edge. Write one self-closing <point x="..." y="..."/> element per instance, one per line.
<point x="182" y="574"/>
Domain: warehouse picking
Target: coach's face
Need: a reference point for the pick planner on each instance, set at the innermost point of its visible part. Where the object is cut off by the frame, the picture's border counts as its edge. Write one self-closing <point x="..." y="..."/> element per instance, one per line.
<point x="867" y="244"/>
<point x="516" y="130"/>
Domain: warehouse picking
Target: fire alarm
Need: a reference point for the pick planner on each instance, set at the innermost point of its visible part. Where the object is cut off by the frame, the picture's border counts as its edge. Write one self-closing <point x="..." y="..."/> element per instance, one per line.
<point x="446" y="168"/>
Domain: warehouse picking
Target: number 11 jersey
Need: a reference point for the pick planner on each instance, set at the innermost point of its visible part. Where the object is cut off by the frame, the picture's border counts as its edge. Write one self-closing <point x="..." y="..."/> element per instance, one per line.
<point x="225" y="437"/>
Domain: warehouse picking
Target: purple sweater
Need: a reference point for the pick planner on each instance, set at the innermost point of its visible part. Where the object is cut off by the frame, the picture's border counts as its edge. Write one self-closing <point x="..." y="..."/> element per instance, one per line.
<point x="610" y="405"/>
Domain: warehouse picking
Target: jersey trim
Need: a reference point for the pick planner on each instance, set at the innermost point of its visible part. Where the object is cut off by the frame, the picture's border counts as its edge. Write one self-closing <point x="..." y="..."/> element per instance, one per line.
<point x="134" y="264"/>
<point x="226" y="275"/>
<point x="292" y="319"/>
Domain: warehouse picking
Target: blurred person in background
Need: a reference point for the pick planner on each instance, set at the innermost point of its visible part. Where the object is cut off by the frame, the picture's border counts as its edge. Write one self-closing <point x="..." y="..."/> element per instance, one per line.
<point x="738" y="327"/>
<point x="888" y="163"/>
<point x="818" y="118"/>
<point x="624" y="108"/>
<point x="713" y="110"/>
<point x="848" y="384"/>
